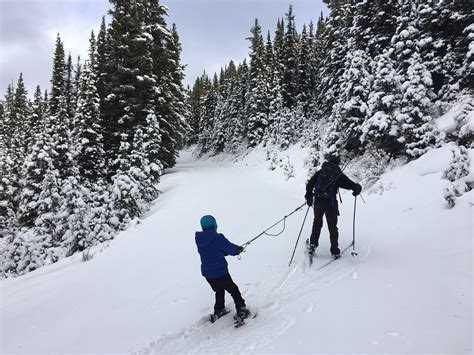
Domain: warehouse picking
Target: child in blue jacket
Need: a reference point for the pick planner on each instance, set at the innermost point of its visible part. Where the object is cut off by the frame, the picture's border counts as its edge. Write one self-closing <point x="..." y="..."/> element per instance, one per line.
<point x="213" y="247"/>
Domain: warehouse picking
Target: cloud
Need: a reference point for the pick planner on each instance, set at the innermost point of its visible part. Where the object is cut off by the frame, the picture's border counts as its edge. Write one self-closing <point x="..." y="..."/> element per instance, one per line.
<point x="28" y="34"/>
<point x="212" y="32"/>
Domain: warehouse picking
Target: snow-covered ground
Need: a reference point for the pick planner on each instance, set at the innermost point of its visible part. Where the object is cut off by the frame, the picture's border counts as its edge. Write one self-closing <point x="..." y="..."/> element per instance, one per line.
<point x="408" y="291"/>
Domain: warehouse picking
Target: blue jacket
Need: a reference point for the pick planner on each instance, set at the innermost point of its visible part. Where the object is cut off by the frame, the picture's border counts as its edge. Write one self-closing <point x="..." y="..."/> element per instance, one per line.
<point x="213" y="248"/>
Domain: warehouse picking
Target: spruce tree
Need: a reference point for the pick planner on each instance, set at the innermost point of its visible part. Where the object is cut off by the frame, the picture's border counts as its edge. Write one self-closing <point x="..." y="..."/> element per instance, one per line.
<point x="381" y="130"/>
<point x="20" y="116"/>
<point x="304" y="72"/>
<point x="38" y="165"/>
<point x="279" y="46"/>
<point x="69" y="88"/>
<point x="57" y="81"/>
<point x="195" y="106"/>
<point x="257" y="108"/>
<point x="90" y="152"/>
<point x="289" y="82"/>
<point x="418" y="132"/>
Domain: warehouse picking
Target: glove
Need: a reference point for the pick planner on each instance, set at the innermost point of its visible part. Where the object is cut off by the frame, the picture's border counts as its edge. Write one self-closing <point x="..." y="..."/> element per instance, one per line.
<point x="239" y="250"/>
<point x="357" y="190"/>
<point x="309" y="200"/>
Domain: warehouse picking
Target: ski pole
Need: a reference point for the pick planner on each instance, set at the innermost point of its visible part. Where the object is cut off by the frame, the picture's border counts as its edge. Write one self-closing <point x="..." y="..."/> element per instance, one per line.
<point x="297" y="240"/>
<point x="353" y="253"/>
<point x="245" y="245"/>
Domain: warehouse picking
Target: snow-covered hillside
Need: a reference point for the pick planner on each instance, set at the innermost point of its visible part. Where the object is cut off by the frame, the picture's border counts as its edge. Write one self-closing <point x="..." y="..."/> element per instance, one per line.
<point x="409" y="290"/>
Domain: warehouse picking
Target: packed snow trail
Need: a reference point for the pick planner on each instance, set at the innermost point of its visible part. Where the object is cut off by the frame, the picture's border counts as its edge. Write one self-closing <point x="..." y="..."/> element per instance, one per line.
<point x="409" y="290"/>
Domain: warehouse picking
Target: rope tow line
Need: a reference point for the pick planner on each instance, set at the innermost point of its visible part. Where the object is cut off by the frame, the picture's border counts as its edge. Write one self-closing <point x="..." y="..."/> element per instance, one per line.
<point x="245" y="245"/>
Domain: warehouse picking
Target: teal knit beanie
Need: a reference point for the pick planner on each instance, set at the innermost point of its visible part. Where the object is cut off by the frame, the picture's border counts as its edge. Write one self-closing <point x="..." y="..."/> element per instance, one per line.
<point x="208" y="222"/>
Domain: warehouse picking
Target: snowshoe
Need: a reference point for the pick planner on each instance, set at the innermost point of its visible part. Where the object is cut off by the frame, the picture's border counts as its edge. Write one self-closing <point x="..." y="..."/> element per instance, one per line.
<point x="242" y="314"/>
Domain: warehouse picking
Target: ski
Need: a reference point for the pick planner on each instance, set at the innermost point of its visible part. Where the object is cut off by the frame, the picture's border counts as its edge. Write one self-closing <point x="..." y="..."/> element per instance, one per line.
<point x="334" y="258"/>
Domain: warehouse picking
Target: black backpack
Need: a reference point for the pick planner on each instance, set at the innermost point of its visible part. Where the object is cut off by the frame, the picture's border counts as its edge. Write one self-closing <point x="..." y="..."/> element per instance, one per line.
<point x="327" y="176"/>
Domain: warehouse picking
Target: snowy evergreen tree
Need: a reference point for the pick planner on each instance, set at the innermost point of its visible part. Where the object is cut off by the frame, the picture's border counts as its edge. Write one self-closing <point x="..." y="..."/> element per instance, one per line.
<point x="236" y="136"/>
<point x="381" y="129"/>
<point x="57" y="81"/>
<point x="333" y="42"/>
<point x="257" y="99"/>
<point x="76" y="88"/>
<point x="304" y="72"/>
<point x="195" y="106"/>
<point x="38" y="165"/>
<point x="125" y="196"/>
<point x="69" y="88"/>
<point x="459" y="175"/>
<point x="352" y="102"/>
<point x="289" y="83"/>
<point x="417" y="129"/>
<point x="89" y="151"/>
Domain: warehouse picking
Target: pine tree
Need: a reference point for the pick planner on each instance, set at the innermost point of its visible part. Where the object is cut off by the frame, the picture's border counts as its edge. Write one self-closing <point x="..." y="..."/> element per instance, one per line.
<point x="206" y="119"/>
<point x="38" y="165"/>
<point x="100" y="66"/>
<point x="351" y="105"/>
<point x="115" y="81"/>
<point x="257" y="108"/>
<point x="418" y="132"/>
<point x="38" y="113"/>
<point x="69" y="88"/>
<point x="125" y="199"/>
<point x="76" y="87"/>
<point x="289" y="83"/>
<point x="57" y="81"/>
<point x="7" y="213"/>
<point x="279" y="47"/>
<point x="173" y="108"/>
<point x="381" y="130"/>
<point x="333" y="41"/>
<point x="60" y="131"/>
<point x="304" y="72"/>
<point x="236" y="135"/>
<point x="20" y="116"/>
<point x="15" y="131"/>
<point x="195" y="106"/>
<point x="90" y="152"/>
<point x="72" y="216"/>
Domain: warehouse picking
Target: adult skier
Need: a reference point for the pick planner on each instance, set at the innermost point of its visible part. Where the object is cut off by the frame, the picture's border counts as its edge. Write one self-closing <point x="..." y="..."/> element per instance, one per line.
<point x="213" y="247"/>
<point x="321" y="190"/>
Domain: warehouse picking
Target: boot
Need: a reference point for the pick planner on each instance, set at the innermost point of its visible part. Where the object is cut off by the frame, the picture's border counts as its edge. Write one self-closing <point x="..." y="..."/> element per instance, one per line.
<point x="243" y="312"/>
<point x="218" y="313"/>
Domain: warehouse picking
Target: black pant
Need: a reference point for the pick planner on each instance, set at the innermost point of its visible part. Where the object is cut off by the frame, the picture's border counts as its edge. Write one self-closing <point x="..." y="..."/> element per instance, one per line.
<point x="222" y="284"/>
<point x="329" y="208"/>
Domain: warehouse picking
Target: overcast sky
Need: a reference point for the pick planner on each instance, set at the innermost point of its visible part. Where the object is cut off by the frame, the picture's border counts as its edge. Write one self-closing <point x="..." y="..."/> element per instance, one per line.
<point x="212" y="32"/>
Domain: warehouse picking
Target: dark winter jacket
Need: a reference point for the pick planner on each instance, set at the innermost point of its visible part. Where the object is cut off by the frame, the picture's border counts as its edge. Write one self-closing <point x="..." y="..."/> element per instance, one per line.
<point x="342" y="181"/>
<point x="213" y="247"/>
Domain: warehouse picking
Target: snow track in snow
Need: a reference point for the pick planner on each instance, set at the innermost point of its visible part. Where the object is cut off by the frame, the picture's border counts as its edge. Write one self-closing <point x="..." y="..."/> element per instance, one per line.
<point x="270" y="298"/>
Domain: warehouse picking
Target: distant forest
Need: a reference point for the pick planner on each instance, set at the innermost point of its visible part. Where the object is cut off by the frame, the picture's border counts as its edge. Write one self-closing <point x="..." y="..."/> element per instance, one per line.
<point x="372" y="76"/>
